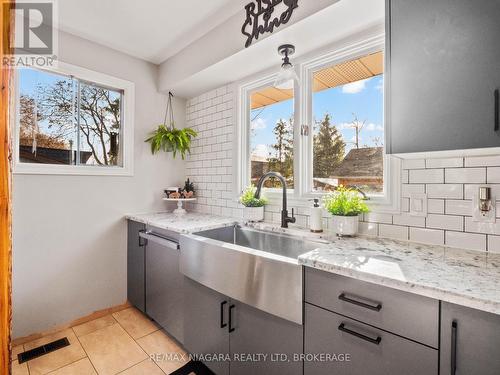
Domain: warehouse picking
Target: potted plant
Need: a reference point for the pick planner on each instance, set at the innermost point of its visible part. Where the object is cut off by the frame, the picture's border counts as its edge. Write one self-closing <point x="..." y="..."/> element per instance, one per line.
<point x="170" y="139"/>
<point x="254" y="208"/>
<point x="345" y="205"/>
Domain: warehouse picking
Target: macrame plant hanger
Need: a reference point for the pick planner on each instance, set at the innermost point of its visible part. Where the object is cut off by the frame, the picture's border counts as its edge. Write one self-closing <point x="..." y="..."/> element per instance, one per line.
<point x="169" y="113"/>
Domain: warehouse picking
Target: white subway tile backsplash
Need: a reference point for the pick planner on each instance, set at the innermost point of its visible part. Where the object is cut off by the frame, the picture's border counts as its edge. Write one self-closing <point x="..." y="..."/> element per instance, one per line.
<point x="446" y="191"/>
<point x="481" y="227"/>
<point x="465" y="175"/>
<point x="408" y="189"/>
<point x="413" y="163"/>
<point x="427" y="176"/>
<point x="428" y="236"/>
<point x="472" y="190"/>
<point x="407" y="219"/>
<point x="493" y="175"/>
<point x="435" y="206"/>
<point x="374" y="217"/>
<point x="483" y="161"/>
<point x="458" y="207"/>
<point x="444" y="163"/>
<point x="466" y="240"/>
<point x="393" y="231"/>
<point x="445" y="222"/>
<point x="494" y="244"/>
<point x="405" y="179"/>
<point x="368" y="229"/>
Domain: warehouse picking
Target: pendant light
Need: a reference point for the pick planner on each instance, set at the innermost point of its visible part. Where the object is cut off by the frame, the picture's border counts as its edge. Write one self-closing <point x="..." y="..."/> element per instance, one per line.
<point x="286" y="76"/>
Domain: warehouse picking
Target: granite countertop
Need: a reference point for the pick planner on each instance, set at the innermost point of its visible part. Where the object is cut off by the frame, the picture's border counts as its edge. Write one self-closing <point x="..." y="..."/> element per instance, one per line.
<point x="464" y="277"/>
<point x="188" y="223"/>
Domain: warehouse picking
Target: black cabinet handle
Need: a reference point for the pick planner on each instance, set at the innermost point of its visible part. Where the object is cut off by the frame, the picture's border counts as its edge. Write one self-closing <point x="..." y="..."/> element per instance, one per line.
<point x="375" y="341"/>
<point x="222" y="324"/>
<point x="454" y="328"/>
<point x="497" y="110"/>
<point x="375" y="307"/>
<point x="142" y="241"/>
<point x="231" y="328"/>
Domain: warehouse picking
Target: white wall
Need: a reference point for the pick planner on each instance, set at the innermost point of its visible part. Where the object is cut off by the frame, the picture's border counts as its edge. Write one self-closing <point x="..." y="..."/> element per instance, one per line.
<point x="69" y="254"/>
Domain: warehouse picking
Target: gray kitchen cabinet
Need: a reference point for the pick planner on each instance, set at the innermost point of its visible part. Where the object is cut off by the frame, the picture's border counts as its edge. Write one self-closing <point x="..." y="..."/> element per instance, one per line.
<point x="136" y="265"/>
<point x="442" y="73"/>
<point x="215" y="324"/>
<point x="164" y="284"/>
<point x="206" y="324"/>
<point x="470" y="341"/>
<point x="360" y="349"/>
<point x="271" y="341"/>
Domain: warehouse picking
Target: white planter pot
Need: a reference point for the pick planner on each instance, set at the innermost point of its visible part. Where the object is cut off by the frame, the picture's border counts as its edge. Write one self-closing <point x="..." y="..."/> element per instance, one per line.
<point x="253" y="213"/>
<point x="345" y="225"/>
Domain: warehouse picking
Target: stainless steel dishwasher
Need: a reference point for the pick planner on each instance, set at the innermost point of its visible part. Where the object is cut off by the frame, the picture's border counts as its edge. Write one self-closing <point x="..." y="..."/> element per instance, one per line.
<point x="164" y="282"/>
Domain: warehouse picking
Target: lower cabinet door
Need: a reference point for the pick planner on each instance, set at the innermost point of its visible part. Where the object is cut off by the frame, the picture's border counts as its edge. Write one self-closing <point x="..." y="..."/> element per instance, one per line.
<point x="337" y="345"/>
<point x="470" y="341"/>
<point x="206" y="325"/>
<point x="164" y="288"/>
<point x="135" y="265"/>
<point x="264" y="344"/>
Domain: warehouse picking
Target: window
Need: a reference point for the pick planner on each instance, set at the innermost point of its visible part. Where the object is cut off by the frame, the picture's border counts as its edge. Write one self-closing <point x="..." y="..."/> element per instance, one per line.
<point x="328" y="131"/>
<point x="271" y="135"/>
<point x="348" y="131"/>
<point x="73" y="123"/>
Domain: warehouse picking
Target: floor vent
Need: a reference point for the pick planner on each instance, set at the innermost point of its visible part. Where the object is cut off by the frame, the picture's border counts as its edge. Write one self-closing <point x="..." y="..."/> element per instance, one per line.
<point x="42" y="350"/>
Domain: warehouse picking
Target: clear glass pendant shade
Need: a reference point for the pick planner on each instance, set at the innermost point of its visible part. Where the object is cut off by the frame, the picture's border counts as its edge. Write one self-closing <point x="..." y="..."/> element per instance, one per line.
<point x="286" y="77"/>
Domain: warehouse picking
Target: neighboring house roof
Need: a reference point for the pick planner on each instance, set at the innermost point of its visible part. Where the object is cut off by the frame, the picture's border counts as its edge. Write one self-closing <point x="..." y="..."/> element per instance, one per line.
<point x="361" y="163"/>
<point x="45" y="155"/>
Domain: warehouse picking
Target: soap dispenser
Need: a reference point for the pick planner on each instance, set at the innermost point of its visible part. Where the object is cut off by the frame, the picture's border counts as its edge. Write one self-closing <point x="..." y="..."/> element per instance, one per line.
<point x="316" y="217"/>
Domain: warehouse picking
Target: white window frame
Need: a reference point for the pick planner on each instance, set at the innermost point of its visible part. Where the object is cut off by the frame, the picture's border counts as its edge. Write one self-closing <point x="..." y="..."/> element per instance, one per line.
<point x="126" y="130"/>
<point x="389" y="202"/>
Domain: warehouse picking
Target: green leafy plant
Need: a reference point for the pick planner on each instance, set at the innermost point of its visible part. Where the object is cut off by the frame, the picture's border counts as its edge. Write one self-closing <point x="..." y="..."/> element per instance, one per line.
<point x="345" y="202"/>
<point x="171" y="140"/>
<point x="248" y="199"/>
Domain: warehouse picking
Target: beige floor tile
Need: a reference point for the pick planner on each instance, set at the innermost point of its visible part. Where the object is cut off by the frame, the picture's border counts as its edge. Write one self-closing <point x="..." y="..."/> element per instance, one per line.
<point x="59" y="358"/>
<point x="111" y="350"/>
<point x="19" y="369"/>
<point x="135" y="323"/>
<point x="15" y="351"/>
<point x="147" y="367"/>
<point x="162" y="347"/>
<point x="94" y="325"/>
<point x="81" y="367"/>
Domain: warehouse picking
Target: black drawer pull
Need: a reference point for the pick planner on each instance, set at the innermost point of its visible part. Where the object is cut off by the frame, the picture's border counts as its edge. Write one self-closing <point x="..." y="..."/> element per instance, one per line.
<point x="231" y="328"/>
<point x="454" y="328"/>
<point x="497" y="110"/>
<point x="375" y="307"/>
<point x="360" y="335"/>
<point x="222" y="323"/>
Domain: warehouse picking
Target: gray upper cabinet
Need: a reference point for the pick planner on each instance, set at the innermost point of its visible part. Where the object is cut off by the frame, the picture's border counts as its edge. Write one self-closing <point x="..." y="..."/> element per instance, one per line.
<point x="443" y="70"/>
<point x="135" y="266"/>
<point x="470" y="341"/>
<point x="206" y="324"/>
<point x="265" y="335"/>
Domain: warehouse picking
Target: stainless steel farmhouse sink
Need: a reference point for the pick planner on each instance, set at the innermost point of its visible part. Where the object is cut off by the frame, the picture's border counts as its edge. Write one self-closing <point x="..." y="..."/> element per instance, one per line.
<point x="255" y="267"/>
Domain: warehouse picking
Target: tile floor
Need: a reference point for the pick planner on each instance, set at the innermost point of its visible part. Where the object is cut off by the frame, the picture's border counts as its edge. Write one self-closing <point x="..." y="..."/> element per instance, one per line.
<point x="119" y="343"/>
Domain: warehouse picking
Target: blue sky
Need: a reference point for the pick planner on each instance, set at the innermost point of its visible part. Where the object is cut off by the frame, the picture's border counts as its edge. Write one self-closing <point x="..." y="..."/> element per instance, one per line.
<point x="363" y="98"/>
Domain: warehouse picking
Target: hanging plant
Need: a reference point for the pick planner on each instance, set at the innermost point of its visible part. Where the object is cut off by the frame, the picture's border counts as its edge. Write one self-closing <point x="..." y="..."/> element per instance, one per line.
<point x="170" y="139"/>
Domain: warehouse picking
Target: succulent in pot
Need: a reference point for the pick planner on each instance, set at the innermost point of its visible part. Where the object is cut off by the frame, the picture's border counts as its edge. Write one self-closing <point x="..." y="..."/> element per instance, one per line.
<point x="254" y="207"/>
<point x="345" y="205"/>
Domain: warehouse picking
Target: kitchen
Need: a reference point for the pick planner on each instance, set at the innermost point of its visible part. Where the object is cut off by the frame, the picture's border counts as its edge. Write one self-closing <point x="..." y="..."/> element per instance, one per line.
<point x="250" y="187"/>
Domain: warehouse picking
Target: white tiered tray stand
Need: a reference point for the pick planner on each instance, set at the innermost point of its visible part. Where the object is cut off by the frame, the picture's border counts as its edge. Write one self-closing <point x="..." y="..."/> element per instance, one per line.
<point x="179" y="210"/>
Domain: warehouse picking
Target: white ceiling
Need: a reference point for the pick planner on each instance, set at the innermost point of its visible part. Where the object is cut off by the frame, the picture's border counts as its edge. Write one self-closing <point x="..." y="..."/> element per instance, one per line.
<point x="152" y="30"/>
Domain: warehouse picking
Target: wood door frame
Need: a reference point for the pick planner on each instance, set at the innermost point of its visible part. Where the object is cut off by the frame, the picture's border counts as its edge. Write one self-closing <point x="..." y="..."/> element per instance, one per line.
<point x="6" y="25"/>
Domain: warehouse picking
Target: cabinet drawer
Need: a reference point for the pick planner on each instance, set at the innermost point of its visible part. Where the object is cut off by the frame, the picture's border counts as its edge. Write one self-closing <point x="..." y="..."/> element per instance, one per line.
<point x="368" y="350"/>
<point x="405" y="314"/>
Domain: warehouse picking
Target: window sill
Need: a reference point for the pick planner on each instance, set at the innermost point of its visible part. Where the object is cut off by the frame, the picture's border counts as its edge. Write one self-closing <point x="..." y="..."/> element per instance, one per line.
<point x="71" y="170"/>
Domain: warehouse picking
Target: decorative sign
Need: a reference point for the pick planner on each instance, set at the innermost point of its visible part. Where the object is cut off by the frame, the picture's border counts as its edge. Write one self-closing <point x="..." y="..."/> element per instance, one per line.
<point x="261" y="18"/>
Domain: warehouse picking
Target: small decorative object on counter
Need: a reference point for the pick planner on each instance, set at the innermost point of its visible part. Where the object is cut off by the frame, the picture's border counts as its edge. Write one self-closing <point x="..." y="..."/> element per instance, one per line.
<point x="171" y="190"/>
<point x="254" y="208"/>
<point x="345" y="205"/>
<point x="188" y="191"/>
<point x="316" y="217"/>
